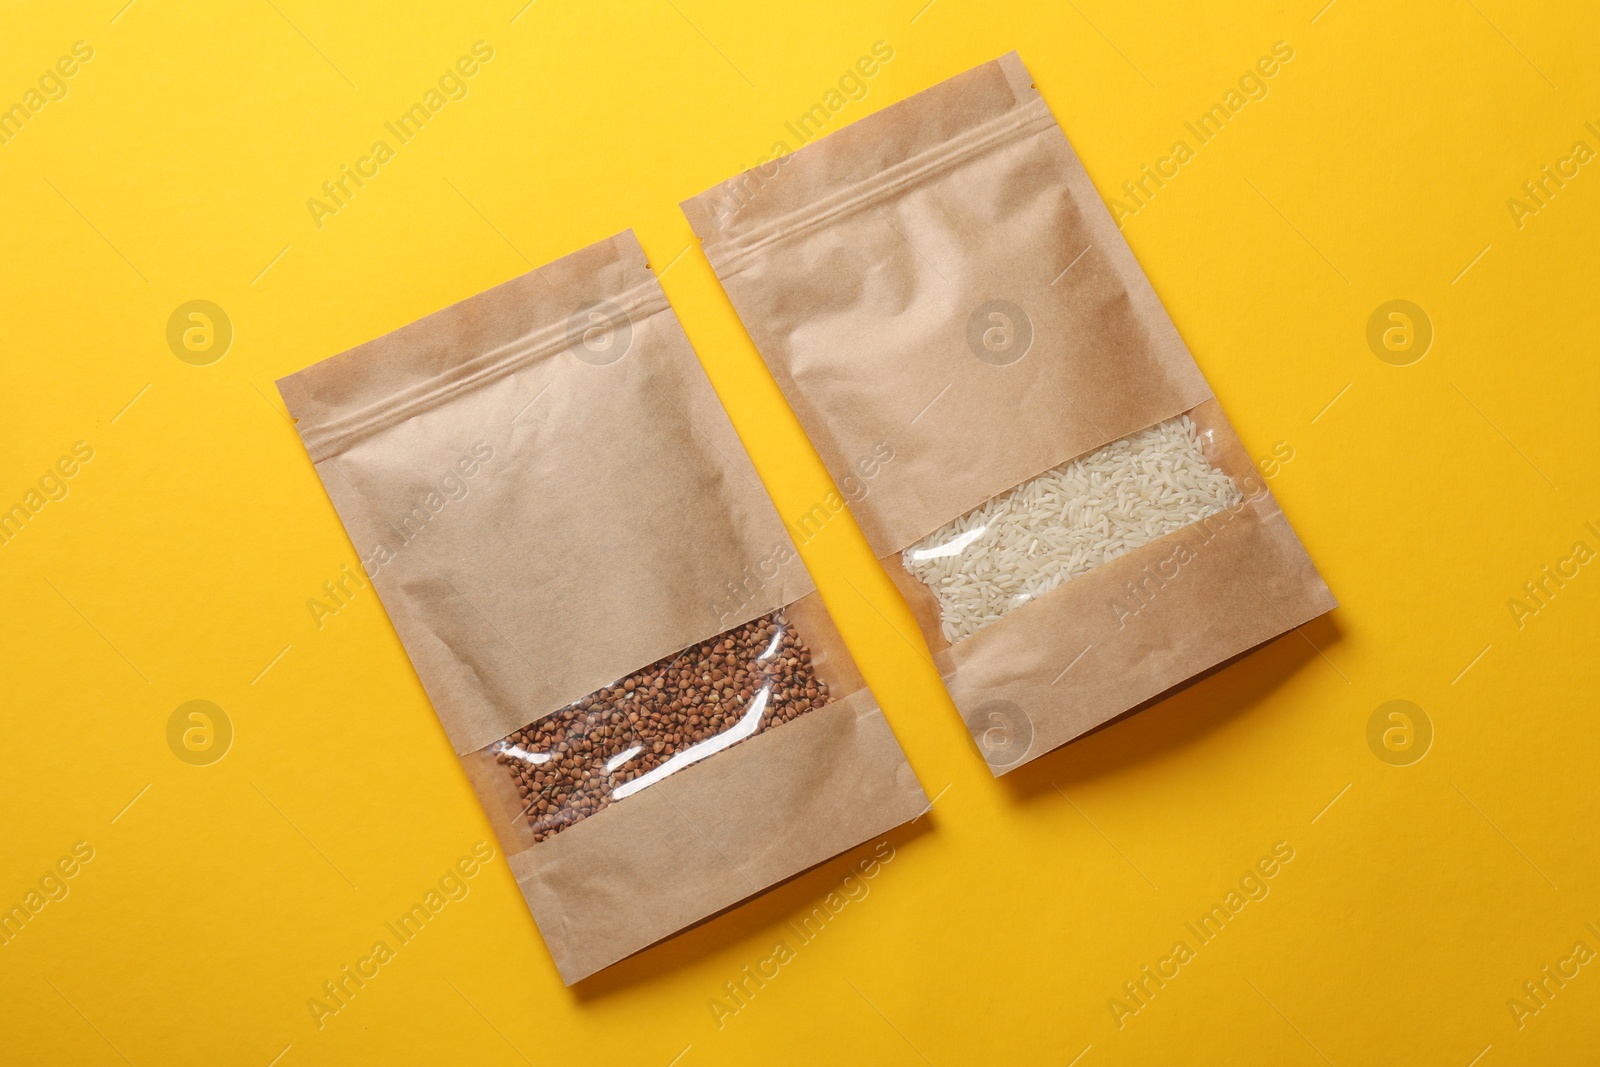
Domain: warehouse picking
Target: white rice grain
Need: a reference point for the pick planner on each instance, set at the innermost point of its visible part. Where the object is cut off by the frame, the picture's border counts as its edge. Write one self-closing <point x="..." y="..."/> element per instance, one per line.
<point x="1067" y="521"/>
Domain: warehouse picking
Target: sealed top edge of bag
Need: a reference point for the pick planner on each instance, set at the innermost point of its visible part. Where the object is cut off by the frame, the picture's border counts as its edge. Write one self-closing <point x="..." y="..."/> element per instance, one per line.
<point x="382" y="382"/>
<point x="897" y="147"/>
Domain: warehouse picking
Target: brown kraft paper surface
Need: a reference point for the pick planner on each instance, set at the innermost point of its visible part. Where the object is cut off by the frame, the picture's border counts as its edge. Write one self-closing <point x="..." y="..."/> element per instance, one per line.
<point x="544" y="510"/>
<point x="869" y="268"/>
<point x="865" y="321"/>
<point x="604" y="532"/>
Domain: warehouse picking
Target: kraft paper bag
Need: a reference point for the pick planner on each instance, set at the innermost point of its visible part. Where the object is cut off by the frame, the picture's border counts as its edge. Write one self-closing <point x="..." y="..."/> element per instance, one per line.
<point x="942" y="276"/>
<point x="602" y="603"/>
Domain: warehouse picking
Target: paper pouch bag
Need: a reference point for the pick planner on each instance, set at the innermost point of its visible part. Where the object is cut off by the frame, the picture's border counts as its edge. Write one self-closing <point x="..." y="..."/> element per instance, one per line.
<point x="1069" y="514"/>
<point x="603" y="606"/>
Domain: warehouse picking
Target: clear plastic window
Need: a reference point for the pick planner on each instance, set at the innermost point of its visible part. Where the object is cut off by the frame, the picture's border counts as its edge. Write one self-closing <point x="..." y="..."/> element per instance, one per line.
<point x="670" y="715"/>
<point x="1067" y="521"/>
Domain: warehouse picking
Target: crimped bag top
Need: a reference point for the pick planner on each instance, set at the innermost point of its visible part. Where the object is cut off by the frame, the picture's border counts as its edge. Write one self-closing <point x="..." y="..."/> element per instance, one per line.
<point x="544" y="489"/>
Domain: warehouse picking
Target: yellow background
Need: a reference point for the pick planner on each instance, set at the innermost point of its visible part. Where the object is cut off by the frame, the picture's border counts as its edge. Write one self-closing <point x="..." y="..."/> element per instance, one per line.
<point x="180" y="563"/>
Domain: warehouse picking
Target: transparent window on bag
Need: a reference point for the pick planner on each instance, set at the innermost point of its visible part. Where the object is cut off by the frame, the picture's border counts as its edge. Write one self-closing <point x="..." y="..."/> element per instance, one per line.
<point x="579" y="760"/>
<point x="1039" y="535"/>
